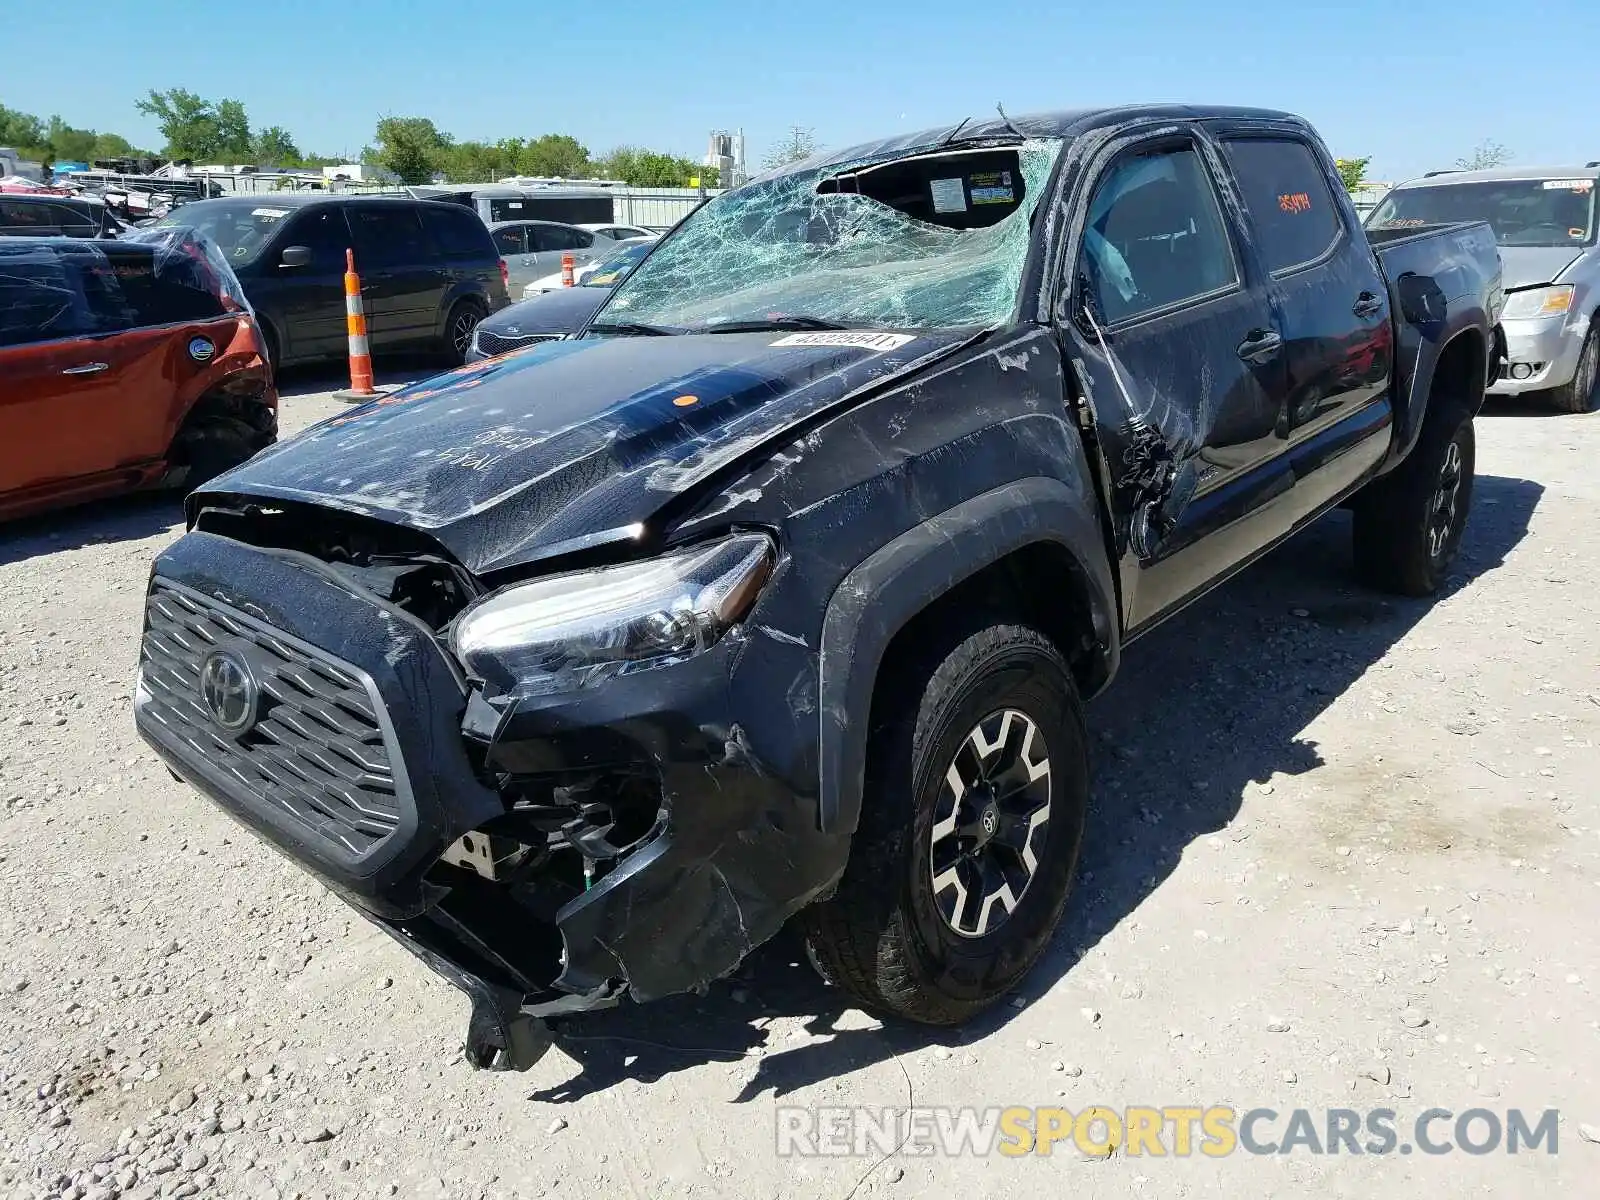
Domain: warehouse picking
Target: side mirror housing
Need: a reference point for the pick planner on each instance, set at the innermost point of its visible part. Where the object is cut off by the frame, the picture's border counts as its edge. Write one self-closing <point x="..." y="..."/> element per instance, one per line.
<point x="295" y="256"/>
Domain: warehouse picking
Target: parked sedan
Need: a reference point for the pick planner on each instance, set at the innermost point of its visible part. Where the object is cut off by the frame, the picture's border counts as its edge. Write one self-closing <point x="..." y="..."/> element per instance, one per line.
<point x="127" y="364"/>
<point x="606" y="272"/>
<point x="1544" y="221"/>
<point x="535" y="248"/>
<point x="47" y="215"/>
<point x="558" y="312"/>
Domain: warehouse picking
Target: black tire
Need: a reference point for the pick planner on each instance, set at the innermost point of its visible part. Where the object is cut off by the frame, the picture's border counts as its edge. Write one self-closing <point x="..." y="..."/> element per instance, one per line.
<point x="458" y="329"/>
<point x="206" y="451"/>
<point x="1581" y="394"/>
<point x="1408" y="525"/>
<point x="885" y="936"/>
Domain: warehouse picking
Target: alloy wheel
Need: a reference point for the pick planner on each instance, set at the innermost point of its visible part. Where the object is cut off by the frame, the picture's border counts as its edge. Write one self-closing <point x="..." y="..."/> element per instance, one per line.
<point x="1446" y="501"/>
<point x="461" y="330"/>
<point x="991" y="814"/>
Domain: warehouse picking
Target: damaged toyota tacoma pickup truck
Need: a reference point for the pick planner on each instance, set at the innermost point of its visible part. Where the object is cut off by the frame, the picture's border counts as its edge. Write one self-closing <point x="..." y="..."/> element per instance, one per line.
<point x="778" y="593"/>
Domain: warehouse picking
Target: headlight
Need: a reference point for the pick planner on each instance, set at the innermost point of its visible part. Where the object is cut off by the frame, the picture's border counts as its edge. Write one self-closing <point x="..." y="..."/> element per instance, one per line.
<point x="570" y="631"/>
<point x="1538" y="302"/>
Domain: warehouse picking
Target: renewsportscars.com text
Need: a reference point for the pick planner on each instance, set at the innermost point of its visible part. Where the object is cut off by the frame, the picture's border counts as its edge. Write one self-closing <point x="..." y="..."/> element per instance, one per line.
<point x="1159" y="1132"/>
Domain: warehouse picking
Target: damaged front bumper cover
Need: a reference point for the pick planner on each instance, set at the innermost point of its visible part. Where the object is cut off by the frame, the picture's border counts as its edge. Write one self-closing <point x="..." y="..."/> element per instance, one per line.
<point x="733" y="851"/>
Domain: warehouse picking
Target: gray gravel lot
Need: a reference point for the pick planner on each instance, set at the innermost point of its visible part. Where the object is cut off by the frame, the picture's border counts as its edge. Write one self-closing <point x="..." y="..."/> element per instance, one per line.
<point x="1345" y="853"/>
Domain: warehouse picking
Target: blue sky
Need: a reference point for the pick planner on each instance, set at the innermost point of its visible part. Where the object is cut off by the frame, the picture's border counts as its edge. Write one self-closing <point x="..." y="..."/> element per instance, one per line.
<point x="1413" y="84"/>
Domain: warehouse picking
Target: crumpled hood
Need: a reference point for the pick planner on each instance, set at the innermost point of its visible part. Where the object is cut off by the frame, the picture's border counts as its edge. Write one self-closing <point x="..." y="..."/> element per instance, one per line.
<point x="569" y="444"/>
<point x="1531" y="266"/>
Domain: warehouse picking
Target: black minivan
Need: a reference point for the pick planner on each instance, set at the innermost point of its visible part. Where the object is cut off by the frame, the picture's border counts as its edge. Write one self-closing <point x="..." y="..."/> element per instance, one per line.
<point x="429" y="270"/>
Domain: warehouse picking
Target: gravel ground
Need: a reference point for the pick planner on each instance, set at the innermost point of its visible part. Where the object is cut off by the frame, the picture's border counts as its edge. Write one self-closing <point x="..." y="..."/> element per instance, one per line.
<point x="1343" y="854"/>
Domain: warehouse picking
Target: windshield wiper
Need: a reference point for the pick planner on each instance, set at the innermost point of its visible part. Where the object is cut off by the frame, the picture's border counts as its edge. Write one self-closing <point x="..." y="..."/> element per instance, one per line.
<point x="632" y="329"/>
<point x="774" y="323"/>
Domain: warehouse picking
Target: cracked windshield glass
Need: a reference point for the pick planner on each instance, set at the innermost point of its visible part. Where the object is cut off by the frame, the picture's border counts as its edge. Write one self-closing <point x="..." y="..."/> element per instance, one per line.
<point x="932" y="239"/>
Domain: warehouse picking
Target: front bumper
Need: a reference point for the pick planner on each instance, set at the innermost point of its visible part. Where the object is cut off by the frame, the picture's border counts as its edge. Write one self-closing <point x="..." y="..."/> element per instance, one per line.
<point x="734" y="851"/>
<point x="1545" y="352"/>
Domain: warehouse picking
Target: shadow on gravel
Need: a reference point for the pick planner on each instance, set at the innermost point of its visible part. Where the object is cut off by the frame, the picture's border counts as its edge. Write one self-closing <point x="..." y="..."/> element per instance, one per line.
<point x="119" y="519"/>
<point x="1208" y="704"/>
<point x="1530" y="404"/>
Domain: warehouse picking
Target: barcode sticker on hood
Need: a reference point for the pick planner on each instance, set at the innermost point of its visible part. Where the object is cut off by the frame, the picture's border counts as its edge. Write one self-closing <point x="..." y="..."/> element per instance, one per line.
<point x="860" y="338"/>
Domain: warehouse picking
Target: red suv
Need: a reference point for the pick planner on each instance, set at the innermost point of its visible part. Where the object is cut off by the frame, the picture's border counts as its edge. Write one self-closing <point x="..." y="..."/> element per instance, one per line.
<point x="124" y="364"/>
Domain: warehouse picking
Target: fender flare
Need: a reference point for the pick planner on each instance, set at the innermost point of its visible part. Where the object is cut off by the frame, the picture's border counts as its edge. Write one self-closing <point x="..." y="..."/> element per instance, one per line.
<point x="876" y="600"/>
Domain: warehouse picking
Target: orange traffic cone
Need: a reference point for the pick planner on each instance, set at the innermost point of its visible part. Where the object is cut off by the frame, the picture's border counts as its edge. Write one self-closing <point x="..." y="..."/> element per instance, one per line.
<point x="356" y="322"/>
<point x="567" y="269"/>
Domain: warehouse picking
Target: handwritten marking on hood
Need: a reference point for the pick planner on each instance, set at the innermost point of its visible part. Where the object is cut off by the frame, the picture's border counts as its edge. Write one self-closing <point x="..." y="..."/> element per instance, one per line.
<point x="862" y="339"/>
<point x="1012" y="362"/>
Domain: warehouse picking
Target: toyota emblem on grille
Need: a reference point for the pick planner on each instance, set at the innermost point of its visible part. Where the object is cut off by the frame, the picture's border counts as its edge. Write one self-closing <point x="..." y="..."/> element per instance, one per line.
<point x="228" y="690"/>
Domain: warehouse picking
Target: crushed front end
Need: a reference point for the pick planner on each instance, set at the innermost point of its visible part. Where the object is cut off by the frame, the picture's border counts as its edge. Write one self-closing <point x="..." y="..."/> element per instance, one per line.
<point x="547" y="847"/>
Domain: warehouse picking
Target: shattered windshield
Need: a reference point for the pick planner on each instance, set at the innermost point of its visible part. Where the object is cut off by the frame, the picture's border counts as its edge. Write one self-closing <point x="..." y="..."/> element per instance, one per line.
<point x="931" y="239"/>
<point x="1523" y="212"/>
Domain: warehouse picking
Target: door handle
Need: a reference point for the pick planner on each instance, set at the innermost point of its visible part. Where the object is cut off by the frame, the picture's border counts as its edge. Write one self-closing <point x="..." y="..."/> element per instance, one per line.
<point x="1367" y="305"/>
<point x="1260" y="343"/>
<point x="87" y="369"/>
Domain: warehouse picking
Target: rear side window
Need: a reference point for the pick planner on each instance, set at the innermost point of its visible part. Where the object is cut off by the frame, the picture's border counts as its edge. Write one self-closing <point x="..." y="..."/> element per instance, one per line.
<point x="36" y="218"/>
<point x="40" y="301"/>
<point x="1296" y="218"/>
<point x="560" y="237"/>
<point x="1155" y="236"/>
<point x="456" y="231"/>
<point x="509" y="239"/>
<point x="387" y="235"/>
<point x="125" y="291"/>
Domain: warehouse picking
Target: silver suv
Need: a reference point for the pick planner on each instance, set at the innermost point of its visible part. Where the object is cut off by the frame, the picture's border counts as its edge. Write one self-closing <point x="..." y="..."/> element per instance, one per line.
<point x="1544" y="221"/>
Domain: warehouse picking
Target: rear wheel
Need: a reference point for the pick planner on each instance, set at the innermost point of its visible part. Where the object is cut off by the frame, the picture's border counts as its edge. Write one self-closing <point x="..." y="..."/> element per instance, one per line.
<point x="977" y="792"/>
<point x="1581" y="394"/>
<point x="459" y="328"/>
<point x="1408" y="525"/>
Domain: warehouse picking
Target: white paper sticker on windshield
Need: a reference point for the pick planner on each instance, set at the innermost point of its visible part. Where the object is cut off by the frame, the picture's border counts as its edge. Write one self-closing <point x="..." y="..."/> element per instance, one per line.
<point x="274" y="213"/>
<point x="949" y="195"/>
<point x="861" y="339"/>
<point x="1568" y="185"/>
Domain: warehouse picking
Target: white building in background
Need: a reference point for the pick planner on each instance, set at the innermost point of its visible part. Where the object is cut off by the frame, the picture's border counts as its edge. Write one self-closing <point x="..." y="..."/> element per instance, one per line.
<point x="726" y="154"/>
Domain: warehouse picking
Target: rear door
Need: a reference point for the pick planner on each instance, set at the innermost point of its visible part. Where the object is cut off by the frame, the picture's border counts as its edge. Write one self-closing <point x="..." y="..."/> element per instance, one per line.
<point x="522" y="261"/>
<point x="1330" y="303"/>
<point x="1173" y="333"/>
<point x="402" y="278"/>
<point x="67" y="362"/>
<point x="308" y="301"/>
<point x="554" y="242"/>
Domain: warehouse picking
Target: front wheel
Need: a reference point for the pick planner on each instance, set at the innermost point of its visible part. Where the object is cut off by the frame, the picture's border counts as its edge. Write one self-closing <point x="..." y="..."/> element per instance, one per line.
<point x="459" y="327"/>
<point x="1581" y="393"/>
<point x="1408" y="526"/>
<point x="973" y="815"/>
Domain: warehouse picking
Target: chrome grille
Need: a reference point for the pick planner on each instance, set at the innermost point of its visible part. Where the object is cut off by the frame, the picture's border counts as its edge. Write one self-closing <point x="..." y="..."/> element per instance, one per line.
<point x="317" y="748"/>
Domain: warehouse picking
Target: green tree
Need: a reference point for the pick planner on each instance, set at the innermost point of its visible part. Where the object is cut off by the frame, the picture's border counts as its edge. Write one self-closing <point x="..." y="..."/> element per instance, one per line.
<point x="1488" y="153"/>
<point x="188" y="122"/>
<point x="234" y="143"/>
<point x="67" y="143"/>
<point x="22" y="130"/>
<point x="556" y="155"/>
<point x="1353" y="171"/>
<point x="410" y="147"/>
<point x="112" y="145"/>
<point x="639" y="167"/>
<point x="799" y="143"/>
<point x="273" y="147"/>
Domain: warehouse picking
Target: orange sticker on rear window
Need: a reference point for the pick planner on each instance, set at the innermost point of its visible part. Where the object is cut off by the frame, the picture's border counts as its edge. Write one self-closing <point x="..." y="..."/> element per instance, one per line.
<point x="1296" y="202"/>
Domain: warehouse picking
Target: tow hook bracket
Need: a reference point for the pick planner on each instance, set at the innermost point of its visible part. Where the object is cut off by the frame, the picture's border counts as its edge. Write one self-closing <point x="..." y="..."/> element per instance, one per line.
<point x="499" y="1038"/>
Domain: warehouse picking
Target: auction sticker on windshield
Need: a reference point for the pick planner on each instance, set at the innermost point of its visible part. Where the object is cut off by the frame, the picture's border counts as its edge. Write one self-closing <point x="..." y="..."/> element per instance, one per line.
<point x="858" y="338"/>
<point x="1568" y="185"/>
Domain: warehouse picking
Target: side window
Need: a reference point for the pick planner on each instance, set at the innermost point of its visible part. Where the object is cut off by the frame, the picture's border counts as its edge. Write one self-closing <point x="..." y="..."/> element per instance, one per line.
<point x="562" y="237"/>
<point x="508" y="239"/>
<point x="27" y="219"/>
<point x="1287" y="195"/>
<point x="39" y="302"/>
<point x="74" y="221"/>
<point x="321" y="230"/>
<point x="457" y="232"/>
<point x="1155" y="236"/>
<point x="146" y="290"/>
<point x="386" y="235"/>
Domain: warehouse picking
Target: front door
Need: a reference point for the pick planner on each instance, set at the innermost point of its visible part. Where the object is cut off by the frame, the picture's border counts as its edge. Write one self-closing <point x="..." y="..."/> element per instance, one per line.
<point x="1178" y="355"/>
<point x="310" y="298"/>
